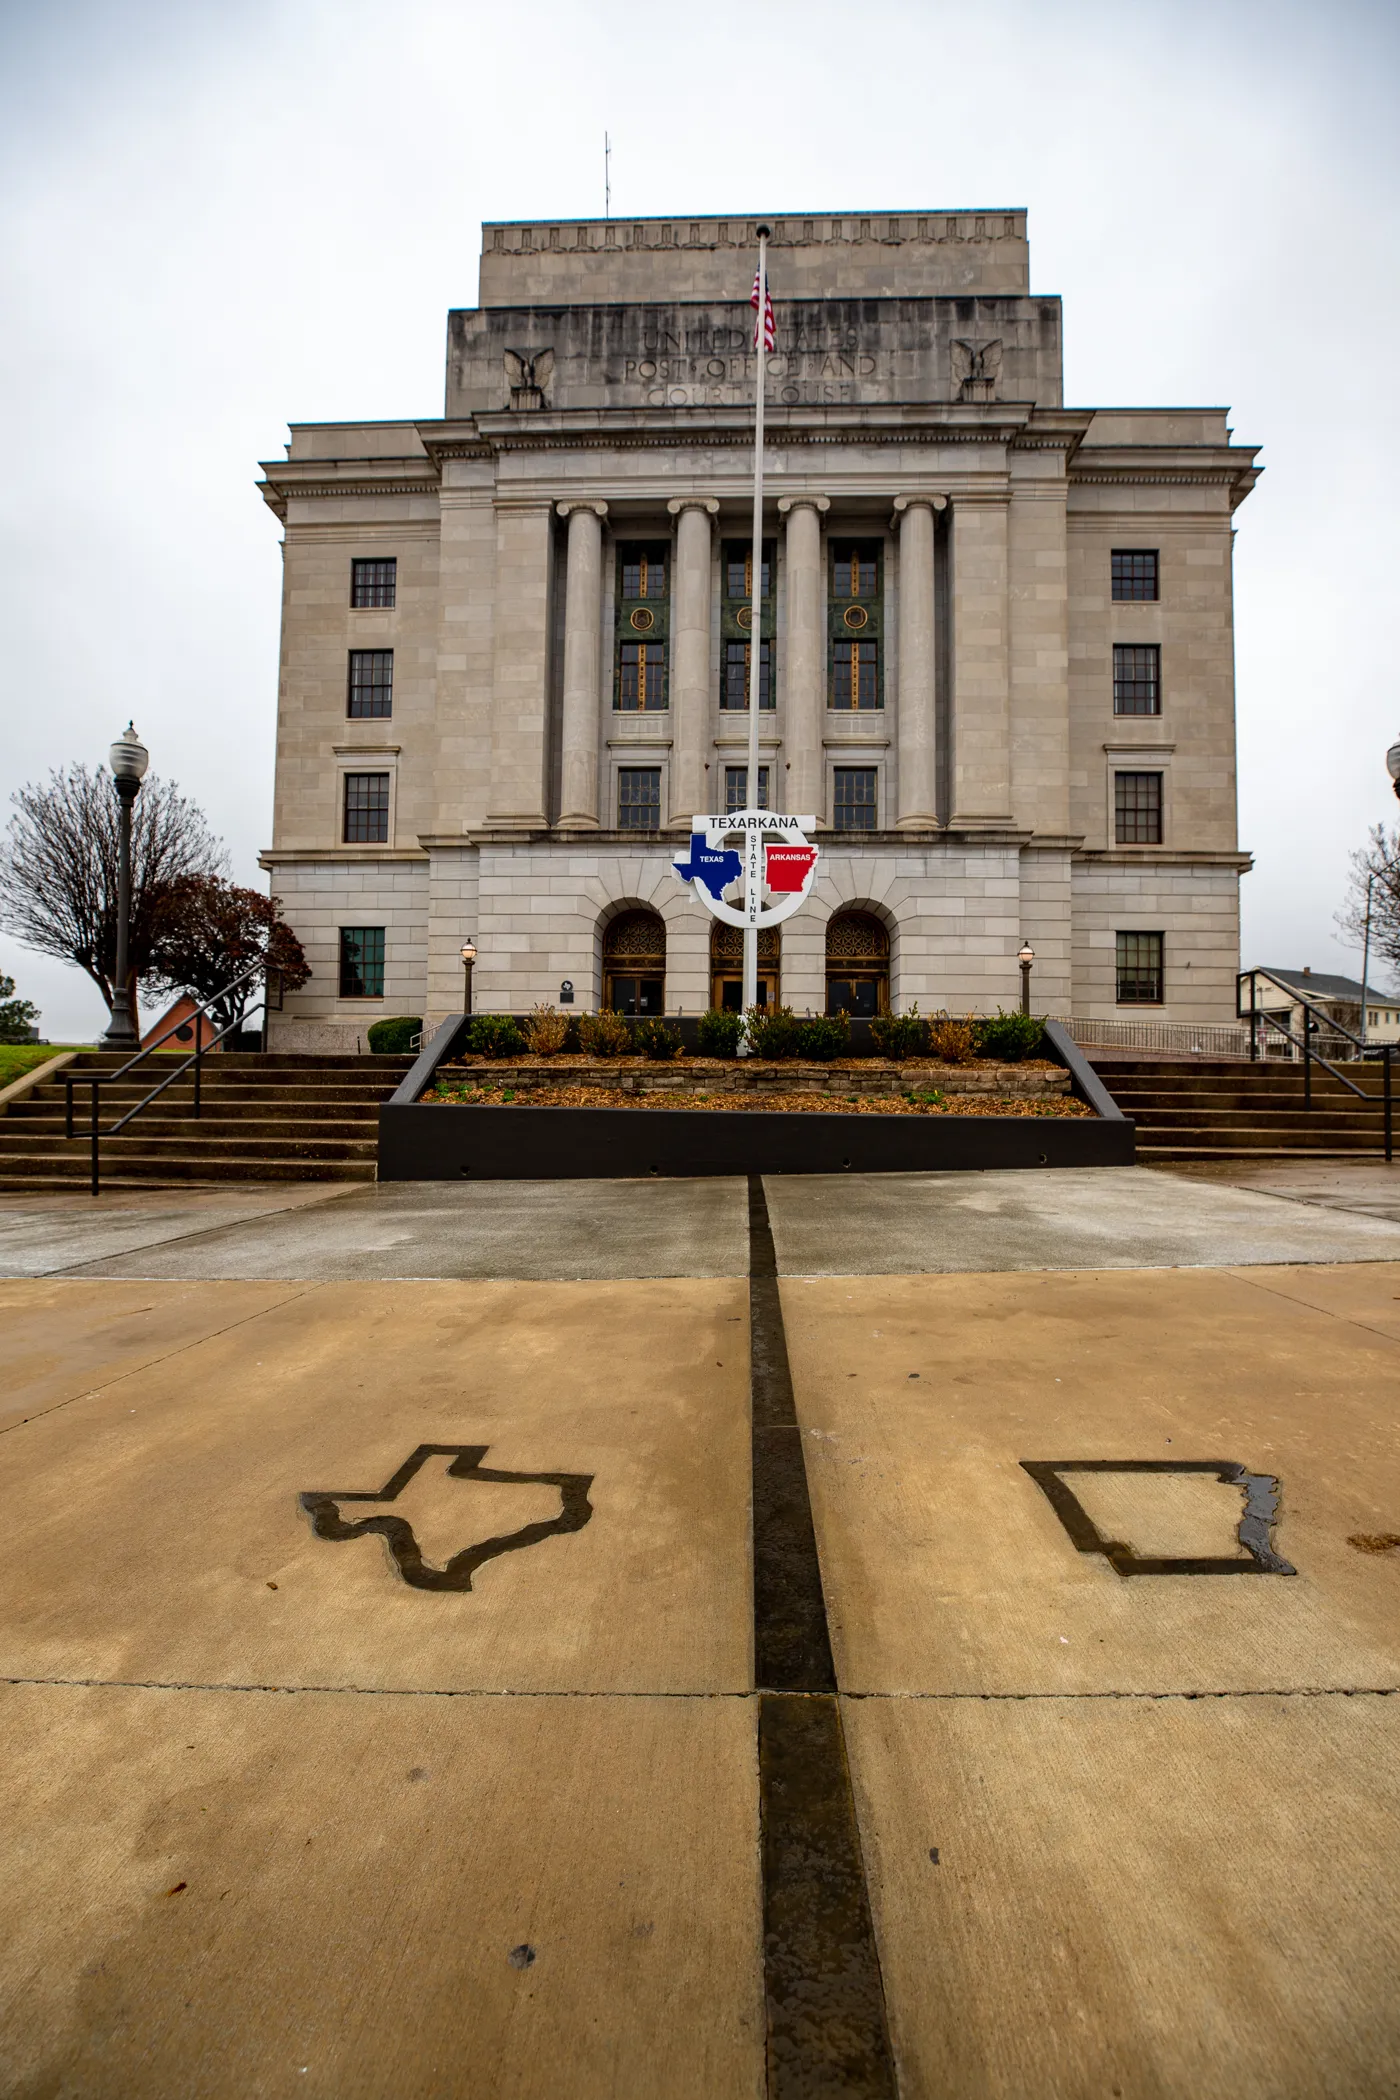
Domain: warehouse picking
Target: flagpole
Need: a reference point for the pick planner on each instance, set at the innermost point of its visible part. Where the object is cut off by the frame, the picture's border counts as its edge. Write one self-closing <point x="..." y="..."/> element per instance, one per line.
<point x="753" y="844"/>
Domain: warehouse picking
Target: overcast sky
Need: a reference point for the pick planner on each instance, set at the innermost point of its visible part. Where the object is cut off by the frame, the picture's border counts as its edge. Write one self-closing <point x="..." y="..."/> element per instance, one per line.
<point x="219" y="217"/>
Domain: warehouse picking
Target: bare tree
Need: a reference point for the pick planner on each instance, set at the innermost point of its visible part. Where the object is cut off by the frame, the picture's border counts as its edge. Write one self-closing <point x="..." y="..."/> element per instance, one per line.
<point x="58" y="867"/>
<point x="1376" y="866"/>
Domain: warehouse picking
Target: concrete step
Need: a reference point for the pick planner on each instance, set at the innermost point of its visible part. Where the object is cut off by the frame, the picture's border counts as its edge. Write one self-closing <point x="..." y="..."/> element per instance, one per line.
<point x="65" y="1171"/>
<point x="1358" y="1118"/>
<point x="331" y="1089"/>
<point x="1151" y="1155"/>
<point x="175" y="1147"/>
<point x="1244" y="1135"/>
<point x="264" y="1121"/>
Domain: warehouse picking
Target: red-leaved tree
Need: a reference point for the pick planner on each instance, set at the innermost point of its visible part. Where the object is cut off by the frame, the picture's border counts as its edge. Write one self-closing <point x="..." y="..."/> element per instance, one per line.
<point x="209" y="933"/>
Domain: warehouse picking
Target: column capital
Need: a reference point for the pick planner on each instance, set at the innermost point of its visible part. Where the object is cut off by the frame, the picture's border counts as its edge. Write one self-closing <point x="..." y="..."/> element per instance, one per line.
<point x="791" y="503"/>
<point x="677" y="504"/>
<point x="904" y="504"/>
<point x="582" y="503"/>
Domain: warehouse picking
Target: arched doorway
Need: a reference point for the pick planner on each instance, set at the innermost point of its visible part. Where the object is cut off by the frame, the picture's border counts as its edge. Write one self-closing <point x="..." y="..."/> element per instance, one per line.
<point x="857" y="965"/>
<point x="727" y="966"/>
<point x="634" y="963"/>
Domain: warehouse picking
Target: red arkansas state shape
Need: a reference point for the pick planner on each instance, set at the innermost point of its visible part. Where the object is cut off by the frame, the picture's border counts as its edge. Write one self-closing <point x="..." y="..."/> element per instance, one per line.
<point x="788" y="865"/>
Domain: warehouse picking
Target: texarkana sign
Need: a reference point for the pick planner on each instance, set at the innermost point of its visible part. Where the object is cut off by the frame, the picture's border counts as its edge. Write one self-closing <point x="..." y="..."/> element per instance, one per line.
<point x="773" y="856"/>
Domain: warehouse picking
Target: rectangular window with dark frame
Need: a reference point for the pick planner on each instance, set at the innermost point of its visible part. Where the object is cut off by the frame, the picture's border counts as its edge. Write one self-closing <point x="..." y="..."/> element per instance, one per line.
<point x="371" y="684"/>
<point x="856" y="624"/>
<point x="736" y="787"/>
<point x="1137" y="678"/>
<point x="1139" y="969"/>
<point x="854" y="798"/>
<point x="639" y="798"/>
<point x="642" y="571"/>
<point x="855" y="674"/>
<point x="736" y="676"/>
<point x="855" y="568"/>
<point x="1137" y="809"/>
<point x="738" y="569"/>
<point x="641" y="677"/>
<point x="1134" y="574"/>
<point x="366" y="809"/>
<point x="374" y="582"/>
<point x="362" y="962"/>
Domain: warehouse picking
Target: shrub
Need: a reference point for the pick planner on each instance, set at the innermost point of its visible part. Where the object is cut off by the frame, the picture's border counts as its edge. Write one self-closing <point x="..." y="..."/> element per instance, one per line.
<point x="773" y="1031"/>
<point x="1011" y="1036"/>
<point x="656" y="1039"/>
<point x="546" y="1031"/>
<point x="900" y="1035"/>
<point x="720" y="1033"/>
<point x="495" y="1035"/>
<point x="604" y="1035"/>
<point x="392" y="1038"/>
<point x="953" y="1042"/>
<point x="824" y="1036"/>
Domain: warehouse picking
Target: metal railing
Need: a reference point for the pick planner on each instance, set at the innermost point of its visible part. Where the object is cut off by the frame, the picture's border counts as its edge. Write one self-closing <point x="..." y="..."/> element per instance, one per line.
<point x="1316" y="1022"/>
<point x="95" y="1081"/>
<point x="1177" y="1038"/>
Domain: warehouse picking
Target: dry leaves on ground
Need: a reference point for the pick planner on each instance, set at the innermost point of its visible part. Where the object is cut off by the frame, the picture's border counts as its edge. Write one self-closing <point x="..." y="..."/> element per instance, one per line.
<point x="788" y="1104"/>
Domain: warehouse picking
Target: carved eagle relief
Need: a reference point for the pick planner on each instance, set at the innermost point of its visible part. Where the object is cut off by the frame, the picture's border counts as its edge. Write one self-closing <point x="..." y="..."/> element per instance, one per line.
<point x="976" y="369"/>
<point x="528" y="376"/>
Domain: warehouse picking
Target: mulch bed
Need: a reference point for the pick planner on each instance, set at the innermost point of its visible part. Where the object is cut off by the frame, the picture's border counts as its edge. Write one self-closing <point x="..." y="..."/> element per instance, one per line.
<point x="912" y="1104"/>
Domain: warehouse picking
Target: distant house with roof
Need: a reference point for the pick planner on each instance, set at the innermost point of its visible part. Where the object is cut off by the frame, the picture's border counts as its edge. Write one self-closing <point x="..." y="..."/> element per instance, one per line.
<point x="1281" y="992"/>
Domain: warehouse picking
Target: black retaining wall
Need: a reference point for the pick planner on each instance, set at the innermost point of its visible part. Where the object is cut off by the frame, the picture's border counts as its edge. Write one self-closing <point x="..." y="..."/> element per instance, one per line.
<point x="424" y="1141"/>
<point x="428" y="1143"/>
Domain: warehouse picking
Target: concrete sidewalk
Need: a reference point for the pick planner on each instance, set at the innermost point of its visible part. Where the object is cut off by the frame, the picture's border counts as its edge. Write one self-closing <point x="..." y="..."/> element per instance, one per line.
<point x="377" y="1655"/>
<point x="1089" y="1218"/>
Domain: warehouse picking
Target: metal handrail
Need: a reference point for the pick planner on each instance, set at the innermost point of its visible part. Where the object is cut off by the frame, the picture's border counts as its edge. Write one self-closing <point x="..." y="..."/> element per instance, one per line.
<point x="1314" y="1017"/>
<point x="97" y="1080"/>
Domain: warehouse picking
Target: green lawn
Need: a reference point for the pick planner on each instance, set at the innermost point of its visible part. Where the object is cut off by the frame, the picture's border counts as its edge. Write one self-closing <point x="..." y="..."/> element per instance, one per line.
<point x="18" y="1058"/>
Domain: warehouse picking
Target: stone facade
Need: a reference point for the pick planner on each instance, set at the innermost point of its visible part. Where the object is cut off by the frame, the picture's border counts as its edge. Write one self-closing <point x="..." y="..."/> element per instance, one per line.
<point x="600" y="399"/>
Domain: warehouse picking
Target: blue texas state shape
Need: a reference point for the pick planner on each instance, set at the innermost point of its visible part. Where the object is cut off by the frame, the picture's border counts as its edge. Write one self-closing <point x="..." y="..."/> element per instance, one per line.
<point x="713" y="868"/>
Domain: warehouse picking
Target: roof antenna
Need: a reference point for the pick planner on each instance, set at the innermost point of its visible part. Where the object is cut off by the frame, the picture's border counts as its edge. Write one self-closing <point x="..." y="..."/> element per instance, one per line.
<point x="607" y="176"/>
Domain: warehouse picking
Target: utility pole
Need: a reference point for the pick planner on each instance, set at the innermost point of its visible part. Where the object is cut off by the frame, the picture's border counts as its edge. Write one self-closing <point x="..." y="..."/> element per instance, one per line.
<point x="607" y="176"/>
<point x="1366" y="959"/>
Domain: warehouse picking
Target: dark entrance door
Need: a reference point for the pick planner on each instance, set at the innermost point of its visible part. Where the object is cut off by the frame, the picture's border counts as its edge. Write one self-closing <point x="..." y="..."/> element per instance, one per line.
<point x="857" y="965"/>
<point x="727" y="967"/>
<point x="634" y="964"/>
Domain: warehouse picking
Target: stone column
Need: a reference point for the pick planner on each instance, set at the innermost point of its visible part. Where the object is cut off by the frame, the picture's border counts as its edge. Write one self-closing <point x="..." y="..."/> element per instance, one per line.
<point x="981" y="730"/>
<point x="583" y="614"/>
<point x="918" y="655"/>
<point x="520" y="676"/>
<point x="804" y="658"/>
<point x="690" y="656"/>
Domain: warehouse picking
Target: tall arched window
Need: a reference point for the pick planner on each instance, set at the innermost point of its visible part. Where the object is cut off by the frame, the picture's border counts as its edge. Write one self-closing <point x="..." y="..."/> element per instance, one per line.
<point x="857" y="965"/>
<point x="634" y="963"/>
<point x="727" y="966"/>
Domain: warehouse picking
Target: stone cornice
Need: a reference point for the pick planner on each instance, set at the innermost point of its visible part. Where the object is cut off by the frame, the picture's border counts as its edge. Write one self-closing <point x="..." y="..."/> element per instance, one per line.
<point x="330" y="856"/>
<point x="318" y="480"/>
<point x="1158" y="856"/>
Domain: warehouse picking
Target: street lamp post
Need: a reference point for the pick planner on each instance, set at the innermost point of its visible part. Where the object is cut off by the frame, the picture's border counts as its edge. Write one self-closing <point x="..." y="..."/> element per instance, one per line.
<point x="1025" y="959"/>
<point x="129" y="760"/>
<point x="468" y="954"/>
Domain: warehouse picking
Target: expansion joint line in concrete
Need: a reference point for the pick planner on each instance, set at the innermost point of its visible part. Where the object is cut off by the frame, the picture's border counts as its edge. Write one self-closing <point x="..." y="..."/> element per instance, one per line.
<point x="495" y="1691"/>
<point x="138" y="1370"/>
<point x="827" y="2029"/>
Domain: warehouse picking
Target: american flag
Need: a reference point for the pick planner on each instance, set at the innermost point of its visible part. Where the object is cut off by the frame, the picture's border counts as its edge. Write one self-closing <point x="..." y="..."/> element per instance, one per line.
<point x="760" y="291"/>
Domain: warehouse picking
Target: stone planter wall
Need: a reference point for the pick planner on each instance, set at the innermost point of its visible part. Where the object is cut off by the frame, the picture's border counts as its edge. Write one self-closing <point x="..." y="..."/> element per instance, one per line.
<point x="751" y="1075"/>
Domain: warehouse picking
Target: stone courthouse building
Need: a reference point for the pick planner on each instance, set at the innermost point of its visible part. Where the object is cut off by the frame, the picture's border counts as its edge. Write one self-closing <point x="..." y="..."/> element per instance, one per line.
<point x="996" y="642"/>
